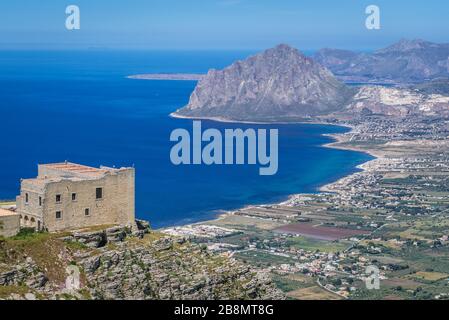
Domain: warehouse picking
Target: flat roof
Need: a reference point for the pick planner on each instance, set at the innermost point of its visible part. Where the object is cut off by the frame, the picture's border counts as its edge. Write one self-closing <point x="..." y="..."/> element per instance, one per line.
<point x="6" y="213"/>
<point x="40" y="182"/>
<point x="75" y="168"/>
<point x="57" y="172"/>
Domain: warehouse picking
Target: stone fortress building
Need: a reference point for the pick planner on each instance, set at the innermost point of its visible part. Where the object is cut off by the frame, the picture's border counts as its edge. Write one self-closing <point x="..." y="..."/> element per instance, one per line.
<point x="72" y="196"/>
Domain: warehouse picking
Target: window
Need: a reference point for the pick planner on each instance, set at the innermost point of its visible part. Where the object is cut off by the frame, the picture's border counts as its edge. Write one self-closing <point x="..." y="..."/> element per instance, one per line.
<point x="99" y="193"/>
<point x="58" y="215"/>
<point x="73" y="196"/>
<point x="87" y="212"/>
<point x="40" y="201"/>
<point x="58" y="198"/>
<point x="26" y="197"/>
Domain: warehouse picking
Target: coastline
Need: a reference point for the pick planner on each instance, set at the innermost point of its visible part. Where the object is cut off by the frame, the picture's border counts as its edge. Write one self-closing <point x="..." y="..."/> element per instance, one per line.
<point x="167" y="76"/>
<point x="364" y="167"/>
<point x="339" y="139"/>
<point x="226" y="120"/>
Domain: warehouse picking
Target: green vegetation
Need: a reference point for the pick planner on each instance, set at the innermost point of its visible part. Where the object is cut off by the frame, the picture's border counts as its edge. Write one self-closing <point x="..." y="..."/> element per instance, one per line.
<point x="317" y="245"/>
<point x="262" y="258"/>
<point x="289" y="283"/>
<point x="25" y="234"/>
<point x="75" y="245"/>
<point x="45" y="249"/>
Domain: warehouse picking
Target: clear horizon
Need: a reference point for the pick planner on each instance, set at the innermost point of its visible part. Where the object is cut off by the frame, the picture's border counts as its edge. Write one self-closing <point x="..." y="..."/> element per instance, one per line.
<point x="218" y="24"/>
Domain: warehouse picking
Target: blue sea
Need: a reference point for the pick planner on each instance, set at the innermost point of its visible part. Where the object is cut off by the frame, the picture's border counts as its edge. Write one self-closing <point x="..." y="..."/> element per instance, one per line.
<point x="79" y="106"/>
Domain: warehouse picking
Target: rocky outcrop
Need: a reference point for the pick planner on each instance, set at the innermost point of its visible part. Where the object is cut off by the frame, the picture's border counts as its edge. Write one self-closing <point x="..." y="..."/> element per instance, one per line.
<point x="398" y="102"/>
<point x="172" y="269"/>
<point x="403" y="62"/>
<point x="26" y="273"/>
<point x="279" y="83"/>
<point x="94" y="239"/>
<point x="117" y="264"/>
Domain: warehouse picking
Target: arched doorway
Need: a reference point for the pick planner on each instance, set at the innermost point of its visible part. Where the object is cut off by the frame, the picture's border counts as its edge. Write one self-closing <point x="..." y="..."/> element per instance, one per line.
<point x="33" y="222"/>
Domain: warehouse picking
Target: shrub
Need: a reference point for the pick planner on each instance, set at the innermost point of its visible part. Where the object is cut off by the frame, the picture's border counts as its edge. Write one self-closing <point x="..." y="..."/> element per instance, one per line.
<point x="25" y="233"/>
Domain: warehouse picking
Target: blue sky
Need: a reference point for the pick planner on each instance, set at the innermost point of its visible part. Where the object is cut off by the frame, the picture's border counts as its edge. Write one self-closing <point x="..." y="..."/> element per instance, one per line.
<point x="219" y="24"/>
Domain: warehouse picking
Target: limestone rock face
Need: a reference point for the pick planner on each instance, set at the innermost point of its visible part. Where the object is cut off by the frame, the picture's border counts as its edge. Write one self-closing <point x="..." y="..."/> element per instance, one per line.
<point x="173" y="270"/>
<point x="126" y="266"/>
<point x="279" y="83"/>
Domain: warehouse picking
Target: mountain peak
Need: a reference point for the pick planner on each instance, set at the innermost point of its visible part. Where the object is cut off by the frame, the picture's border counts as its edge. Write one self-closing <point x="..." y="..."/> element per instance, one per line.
<point x="284" y="47"/>
<point x="282" y="50"/>
<point x="277" y="83"/>
<point x="404" y="45"/>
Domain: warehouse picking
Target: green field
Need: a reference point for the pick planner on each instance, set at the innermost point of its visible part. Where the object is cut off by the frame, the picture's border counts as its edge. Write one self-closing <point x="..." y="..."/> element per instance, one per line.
<point x="317" y="245"/>
<point x="262" y="258"/>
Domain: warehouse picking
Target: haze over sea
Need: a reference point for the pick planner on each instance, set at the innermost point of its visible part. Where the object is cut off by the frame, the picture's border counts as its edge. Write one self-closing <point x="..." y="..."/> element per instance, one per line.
<point x="79" y="106"/>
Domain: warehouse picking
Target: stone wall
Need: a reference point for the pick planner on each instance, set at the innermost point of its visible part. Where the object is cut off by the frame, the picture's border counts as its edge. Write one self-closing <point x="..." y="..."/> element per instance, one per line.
<point x="116" y="207"/>
<point x="9" y="223"/>
<point x="30" y="212"/>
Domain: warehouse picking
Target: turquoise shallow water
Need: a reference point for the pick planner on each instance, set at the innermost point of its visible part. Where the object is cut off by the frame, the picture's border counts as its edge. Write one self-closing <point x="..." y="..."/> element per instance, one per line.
<point x="79" y="106"/>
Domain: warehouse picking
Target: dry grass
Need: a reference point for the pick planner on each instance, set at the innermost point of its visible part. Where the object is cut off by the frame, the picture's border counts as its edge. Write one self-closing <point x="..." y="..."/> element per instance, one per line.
<point x="7" y="291"/>
<point x="239" y="222"/>
<point x="7" y="203"/>
<point x="48" y="251"/>
<point x="96" y="228"/>
<point x="312" y="293"/>
<point x="148" y="238"/>
<point x="300" y="278"/>
<point x="405" y="283"/>
<point x="430" y="276"/>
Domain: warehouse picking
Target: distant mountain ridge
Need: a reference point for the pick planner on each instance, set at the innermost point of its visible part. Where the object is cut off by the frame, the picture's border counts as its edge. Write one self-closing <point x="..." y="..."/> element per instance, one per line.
<point x="283" y="85"/>
<point x="406" y="61"/>
<point x="278" y="83"/>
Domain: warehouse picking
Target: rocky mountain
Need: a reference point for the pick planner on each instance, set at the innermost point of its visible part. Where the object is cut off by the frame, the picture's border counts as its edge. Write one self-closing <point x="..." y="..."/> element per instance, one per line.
<point x="277" y="84"/>
<point x="404" y="62"/>
<point x="114" y="264"/>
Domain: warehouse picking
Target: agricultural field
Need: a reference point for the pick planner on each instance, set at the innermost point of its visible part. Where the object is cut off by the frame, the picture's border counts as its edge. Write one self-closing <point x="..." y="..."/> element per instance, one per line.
<point x="313" y="293"/>
<point x="317" y="245"/>
<point x="245" y="223"/>
<point x="319" y="232"/>
<point x="302" y="287"/>
<point x="262" y="258"/>
<point x="430" y="276"/>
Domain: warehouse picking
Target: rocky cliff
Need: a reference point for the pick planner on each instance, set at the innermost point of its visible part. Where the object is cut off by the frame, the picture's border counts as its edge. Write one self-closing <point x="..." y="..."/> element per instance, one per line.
<point x="279" y="83"/>
<point x="115" y="265"/>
